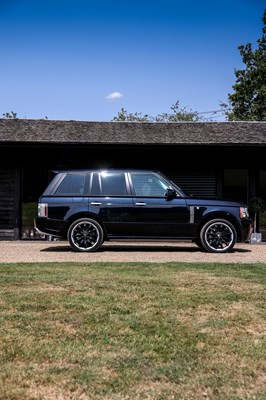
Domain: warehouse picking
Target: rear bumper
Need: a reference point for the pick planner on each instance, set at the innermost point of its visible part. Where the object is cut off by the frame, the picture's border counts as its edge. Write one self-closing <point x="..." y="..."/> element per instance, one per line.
<point x="49" y="226"/>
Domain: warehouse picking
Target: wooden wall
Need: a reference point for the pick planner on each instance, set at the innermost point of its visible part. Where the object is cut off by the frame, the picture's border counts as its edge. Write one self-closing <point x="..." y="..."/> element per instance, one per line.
<point x="9" y="204"/>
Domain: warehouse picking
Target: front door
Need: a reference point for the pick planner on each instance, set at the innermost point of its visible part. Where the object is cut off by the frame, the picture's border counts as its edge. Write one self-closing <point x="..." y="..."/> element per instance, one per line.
<point x="155" y="215"/>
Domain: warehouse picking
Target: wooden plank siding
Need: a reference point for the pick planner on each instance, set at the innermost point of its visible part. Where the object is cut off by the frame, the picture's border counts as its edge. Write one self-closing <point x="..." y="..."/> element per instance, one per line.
<point x="7" y="202"/>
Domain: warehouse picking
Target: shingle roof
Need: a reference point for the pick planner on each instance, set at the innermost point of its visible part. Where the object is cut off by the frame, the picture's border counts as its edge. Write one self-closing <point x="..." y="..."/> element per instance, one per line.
<point x="183" y="133"/>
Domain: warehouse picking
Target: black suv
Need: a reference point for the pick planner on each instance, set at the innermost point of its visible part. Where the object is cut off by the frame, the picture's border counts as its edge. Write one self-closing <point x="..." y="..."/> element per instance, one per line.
<point x="87" y="207"/>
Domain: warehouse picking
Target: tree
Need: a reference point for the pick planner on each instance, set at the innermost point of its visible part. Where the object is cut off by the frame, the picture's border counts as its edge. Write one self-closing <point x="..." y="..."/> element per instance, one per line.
<point x="11" y="115"/>
<point x="256" y="205"/>
<point x="178" y="114"/>
<point x="124" y="116"/>
<point x="248" y="101"/>
<point x="14" y="115"/>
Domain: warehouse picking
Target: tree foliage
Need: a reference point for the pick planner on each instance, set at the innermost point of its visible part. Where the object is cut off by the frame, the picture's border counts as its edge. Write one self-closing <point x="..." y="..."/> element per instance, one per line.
<point x="14" y="115"/>
<point x="124" y="116"/>
<point x="248" y="101"/>
<point x="256" y="205"/>
<point x="10" y="115"/>
<point x="177" y="114"/>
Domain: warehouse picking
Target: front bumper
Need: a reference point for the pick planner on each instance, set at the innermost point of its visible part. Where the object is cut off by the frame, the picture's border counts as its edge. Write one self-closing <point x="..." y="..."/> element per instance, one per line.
<point x="246" y="230"/>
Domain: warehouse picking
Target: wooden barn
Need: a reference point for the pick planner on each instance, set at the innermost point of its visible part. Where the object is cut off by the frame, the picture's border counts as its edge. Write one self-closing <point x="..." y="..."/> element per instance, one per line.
<point x="209" y="159"/>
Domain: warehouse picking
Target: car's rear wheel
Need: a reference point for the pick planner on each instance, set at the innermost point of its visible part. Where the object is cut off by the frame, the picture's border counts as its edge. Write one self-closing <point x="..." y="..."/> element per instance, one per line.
<point x="218" y="236"/>
<point x="85" y="235"/>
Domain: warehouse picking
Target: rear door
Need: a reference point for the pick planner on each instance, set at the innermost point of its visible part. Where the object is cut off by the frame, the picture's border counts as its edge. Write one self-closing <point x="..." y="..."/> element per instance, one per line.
<point x="112" y="202"/>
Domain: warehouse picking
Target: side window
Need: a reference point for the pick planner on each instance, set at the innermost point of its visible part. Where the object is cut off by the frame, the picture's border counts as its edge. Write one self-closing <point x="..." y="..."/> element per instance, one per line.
<point x="73" y="185"/>
<point x="148" y="185"/>
<point x="113" y="184"/>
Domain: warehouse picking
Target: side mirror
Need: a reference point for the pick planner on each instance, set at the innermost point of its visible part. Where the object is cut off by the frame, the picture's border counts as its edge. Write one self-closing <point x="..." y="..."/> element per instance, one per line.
<point x="170" y="193"/>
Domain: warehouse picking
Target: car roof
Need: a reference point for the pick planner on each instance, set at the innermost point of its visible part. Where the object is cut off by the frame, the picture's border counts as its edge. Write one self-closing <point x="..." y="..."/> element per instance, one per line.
<point x="104" y="170"/>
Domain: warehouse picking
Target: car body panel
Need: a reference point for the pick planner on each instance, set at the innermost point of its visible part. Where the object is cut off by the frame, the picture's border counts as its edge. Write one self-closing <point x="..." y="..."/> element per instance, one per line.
<point x="143" y="206"/>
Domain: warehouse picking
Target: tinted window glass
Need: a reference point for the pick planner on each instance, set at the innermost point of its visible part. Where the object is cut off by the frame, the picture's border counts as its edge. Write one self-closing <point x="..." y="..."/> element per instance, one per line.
<point x="148" y="185"/>
<point x="113" y="184"/>
<point x="72" y="184"/>
<point x="95" y="187"/>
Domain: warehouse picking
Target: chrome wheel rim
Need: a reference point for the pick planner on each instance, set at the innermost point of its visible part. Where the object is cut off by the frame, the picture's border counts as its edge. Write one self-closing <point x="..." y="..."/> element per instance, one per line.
<point x="219" y="236"/>
<point x="85" y="235"/>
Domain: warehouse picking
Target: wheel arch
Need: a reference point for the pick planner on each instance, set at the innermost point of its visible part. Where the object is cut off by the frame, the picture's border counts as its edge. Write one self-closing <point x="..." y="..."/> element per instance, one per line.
<point x="222" y="215"/>
<point x="84" y="214"/>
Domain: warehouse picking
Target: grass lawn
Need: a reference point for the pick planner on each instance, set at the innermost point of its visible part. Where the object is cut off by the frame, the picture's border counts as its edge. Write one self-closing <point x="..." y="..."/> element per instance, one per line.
<point x="120" y="331"/>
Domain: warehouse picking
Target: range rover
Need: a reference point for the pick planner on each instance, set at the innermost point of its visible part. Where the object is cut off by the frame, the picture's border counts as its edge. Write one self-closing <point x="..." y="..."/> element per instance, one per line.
<point x="88" y="207"/>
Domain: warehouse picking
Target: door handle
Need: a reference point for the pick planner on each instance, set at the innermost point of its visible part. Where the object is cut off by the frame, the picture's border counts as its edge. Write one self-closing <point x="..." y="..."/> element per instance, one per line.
<point x="140" y="204"/>
<point x="95" y="203"/>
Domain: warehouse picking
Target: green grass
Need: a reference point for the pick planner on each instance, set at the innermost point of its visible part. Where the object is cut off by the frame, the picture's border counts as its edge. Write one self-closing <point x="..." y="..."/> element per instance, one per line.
<point x="132" y="331"/>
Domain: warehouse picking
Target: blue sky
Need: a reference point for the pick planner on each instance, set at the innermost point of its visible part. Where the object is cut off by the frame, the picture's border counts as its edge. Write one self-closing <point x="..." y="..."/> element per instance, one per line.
<point x="85" y="60"/>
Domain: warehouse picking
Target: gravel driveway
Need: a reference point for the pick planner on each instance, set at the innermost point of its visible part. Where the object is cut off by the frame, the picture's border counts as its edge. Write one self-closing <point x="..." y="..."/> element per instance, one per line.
<point x="60" y="251"/>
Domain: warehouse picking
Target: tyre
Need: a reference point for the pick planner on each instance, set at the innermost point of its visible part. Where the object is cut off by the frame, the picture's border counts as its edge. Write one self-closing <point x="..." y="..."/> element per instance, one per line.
<point x="199" y="244"/>
<point x="85" y="235"/>
<point x="218" y="236"/>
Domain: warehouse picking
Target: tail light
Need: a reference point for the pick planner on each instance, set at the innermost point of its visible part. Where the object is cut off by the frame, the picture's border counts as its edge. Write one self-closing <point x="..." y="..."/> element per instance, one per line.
<point x="42" y="210"/>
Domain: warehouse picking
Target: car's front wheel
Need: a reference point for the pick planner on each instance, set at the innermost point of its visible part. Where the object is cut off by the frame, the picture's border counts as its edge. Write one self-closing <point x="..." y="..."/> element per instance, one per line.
<point x="218" y="236"/>
<point x="199" y="244"/>
<point x="85" y="235"/>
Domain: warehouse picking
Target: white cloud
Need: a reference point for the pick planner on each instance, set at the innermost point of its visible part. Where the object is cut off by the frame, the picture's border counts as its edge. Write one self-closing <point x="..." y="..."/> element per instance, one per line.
<point x="114" y="96"/>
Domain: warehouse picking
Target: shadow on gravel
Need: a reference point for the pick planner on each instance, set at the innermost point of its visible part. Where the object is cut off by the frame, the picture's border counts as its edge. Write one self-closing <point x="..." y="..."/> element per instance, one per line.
<point x="125" y="248"/>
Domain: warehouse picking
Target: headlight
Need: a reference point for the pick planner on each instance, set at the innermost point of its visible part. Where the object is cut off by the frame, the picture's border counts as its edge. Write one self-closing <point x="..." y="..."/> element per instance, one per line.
<point x="244" y="212"/>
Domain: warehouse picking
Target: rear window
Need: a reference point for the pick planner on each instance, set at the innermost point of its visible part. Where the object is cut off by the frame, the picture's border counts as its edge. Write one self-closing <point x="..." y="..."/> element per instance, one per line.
<point x="76" y="184"/>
